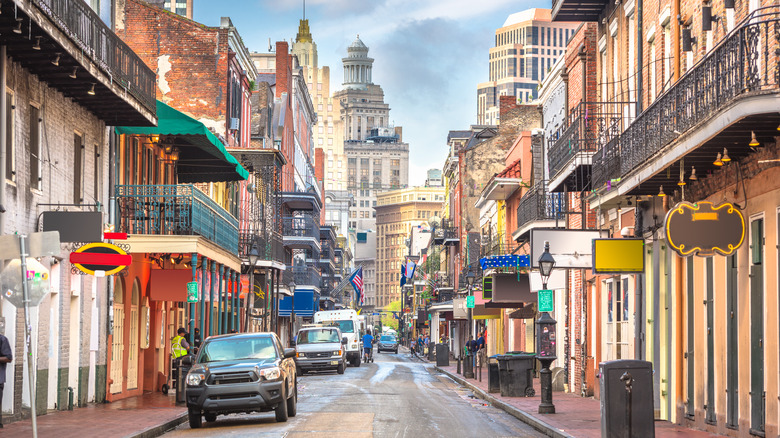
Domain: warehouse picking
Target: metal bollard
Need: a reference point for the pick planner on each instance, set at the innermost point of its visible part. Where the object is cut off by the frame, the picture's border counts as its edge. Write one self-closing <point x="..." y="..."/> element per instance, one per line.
<point x="628" y="380"/>
<point x="70" y="398"/>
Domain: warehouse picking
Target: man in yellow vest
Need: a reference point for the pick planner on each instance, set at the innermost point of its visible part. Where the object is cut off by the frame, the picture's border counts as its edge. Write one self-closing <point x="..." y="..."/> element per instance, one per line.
<point x="179" y="344"/>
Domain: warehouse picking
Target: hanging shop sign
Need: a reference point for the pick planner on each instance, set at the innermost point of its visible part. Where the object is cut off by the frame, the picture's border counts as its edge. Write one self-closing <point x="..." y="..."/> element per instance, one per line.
<point x="618" y="256"/>
<point x="100" y="259"/>
<point x="705" y="229"/>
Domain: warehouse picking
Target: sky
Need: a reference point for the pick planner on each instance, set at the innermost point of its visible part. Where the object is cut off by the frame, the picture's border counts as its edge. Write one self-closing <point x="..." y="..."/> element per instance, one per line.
<point x="429" y="55"/>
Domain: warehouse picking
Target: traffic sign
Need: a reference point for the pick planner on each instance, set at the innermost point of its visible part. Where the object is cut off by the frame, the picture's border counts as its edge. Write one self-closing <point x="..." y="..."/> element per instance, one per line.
<point x="100" y="259"/>
<point x="37" y="282"/>
<point x="470" y="302"/>
<point x="192" y="292"/>
<point x="545" y="298"/>
<point x="38" y="245"/>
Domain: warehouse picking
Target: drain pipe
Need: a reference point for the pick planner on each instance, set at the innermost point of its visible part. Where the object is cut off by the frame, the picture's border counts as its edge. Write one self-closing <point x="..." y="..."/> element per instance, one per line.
<point x="3" y="135"/>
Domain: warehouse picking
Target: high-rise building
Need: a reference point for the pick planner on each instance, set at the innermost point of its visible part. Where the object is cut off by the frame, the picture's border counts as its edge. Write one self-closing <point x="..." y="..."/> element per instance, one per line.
<point x="434" y="178"/>
<point x="397" y="212"/>
<point x="526" y="47"/>
<point x="377" y="157"/>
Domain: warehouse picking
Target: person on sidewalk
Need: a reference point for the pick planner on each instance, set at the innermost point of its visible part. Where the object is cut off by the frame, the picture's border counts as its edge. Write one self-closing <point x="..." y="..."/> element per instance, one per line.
<point x="179" y="345"/>
<point x="197" y="340"/>
<point x="6" y="356"/>
<point x="480" y="347"/>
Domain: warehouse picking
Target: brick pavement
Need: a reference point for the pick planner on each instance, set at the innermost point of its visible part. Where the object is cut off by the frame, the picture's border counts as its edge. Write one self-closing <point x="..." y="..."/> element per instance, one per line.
<point x="143" y="416"/>
<point x="576" y="416"/>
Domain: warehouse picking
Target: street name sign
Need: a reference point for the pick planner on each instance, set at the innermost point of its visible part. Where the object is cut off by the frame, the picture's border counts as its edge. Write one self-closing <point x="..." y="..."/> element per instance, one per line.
<point x="545" y="297"/>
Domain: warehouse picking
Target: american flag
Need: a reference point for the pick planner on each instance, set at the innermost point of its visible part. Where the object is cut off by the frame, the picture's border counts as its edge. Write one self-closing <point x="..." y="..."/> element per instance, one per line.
<point x="357" y="283"/>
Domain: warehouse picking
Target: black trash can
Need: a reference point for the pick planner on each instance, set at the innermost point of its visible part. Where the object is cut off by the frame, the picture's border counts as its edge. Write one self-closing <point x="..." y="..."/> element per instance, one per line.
<point x="431" y="351"/>
<point x="185" y="363"/>
<point x="627" y="399"/>
<point x="493" y="374"/>
<point x="442" y="355"/>
<point x="515" y="374"/>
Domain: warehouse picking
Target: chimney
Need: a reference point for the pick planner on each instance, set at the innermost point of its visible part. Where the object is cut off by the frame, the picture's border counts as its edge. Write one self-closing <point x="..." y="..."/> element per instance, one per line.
<point x="283" y="69"/>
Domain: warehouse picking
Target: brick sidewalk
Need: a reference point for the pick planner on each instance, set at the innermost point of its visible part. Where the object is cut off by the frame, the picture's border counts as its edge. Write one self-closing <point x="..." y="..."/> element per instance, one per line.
<point x="145" y="416"/>
<point x="576" y="416"/>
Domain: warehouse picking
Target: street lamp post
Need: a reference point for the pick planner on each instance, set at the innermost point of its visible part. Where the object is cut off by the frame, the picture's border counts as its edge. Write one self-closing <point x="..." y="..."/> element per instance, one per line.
<point x="468" y="364"/>
<point x="253" y="256"/>
<point x="292" y="310"/>
<point x="545" y="337"/>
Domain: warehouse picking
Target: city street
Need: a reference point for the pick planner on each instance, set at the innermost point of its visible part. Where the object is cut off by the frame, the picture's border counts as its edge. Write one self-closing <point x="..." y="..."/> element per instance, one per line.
<point x="393" y="397"/>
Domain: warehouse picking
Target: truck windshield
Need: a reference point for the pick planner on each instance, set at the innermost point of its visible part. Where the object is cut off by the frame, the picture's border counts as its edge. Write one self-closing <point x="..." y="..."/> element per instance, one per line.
<point x="345" y="326"/>
<point x="387" y="338"/>
<point x="318" y="336"/>
<point x="261" y="348"/>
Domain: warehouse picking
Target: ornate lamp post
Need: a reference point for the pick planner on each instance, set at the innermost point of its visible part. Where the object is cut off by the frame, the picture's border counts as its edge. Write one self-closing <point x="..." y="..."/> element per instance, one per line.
<point x="545" y="337"/>
<point x="291" y="286"/>
<point x="253" y="257"/>
<point x="468" y="371"/>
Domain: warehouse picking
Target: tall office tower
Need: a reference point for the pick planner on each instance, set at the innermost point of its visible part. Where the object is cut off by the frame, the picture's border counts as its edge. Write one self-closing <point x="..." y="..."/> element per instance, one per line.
<point x="377" y="157"/>
<point x="526" y="47"/>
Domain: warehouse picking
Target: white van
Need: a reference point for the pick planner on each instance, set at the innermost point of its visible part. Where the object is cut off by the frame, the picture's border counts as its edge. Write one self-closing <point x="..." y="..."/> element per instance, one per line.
<point x="348" y="321"/>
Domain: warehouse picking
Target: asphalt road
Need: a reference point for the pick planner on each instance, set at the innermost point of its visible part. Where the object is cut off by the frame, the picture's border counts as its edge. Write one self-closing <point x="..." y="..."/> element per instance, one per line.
<point x="393" y="397"/>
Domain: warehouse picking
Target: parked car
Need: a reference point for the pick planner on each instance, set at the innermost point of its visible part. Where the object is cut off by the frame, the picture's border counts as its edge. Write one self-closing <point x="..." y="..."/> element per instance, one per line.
<point x="387" y="343"/>
<point x="320" y="349"/>
<point x="246" y="372"/>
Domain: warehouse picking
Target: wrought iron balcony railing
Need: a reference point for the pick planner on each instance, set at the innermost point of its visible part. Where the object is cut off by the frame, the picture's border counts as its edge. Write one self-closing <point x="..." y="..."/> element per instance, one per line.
<point x="76" y="19"/>
<point x="590" y="126"/>
<point x="744" y="63"/>
<point x="269" y="245"/>
<point x="537" y="205"/>
<point x="495" y="245"/>
<point x="301" y="225"/>
<point x="303" y="276"/>
<point x="179" y="209"/>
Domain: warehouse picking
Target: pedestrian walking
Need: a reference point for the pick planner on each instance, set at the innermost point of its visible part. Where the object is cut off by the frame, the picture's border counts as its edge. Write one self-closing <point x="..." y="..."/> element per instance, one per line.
<point x="197" y="341"/>
<point x="6" y="356"/>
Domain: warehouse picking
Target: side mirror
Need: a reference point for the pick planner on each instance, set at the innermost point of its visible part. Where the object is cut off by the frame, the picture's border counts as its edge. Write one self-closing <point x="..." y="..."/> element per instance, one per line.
<point x="344" y="340"/>
<point x="187" y="360"/>
<point x="289" y="352"/>
<point x="292" y="342"/>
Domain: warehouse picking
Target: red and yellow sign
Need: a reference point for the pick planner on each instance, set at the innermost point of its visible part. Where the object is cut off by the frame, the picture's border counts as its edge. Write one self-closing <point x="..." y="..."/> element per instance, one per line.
<point x="100" y="259"/>
<point x="705" y="229"/>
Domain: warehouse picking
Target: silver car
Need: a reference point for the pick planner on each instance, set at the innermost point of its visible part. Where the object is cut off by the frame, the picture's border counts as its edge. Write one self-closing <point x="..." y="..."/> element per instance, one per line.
<point x="320" y="349"/>
<point x="387" y="343"/>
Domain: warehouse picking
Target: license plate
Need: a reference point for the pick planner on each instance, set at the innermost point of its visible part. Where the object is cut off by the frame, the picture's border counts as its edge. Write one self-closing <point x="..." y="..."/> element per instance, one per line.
<point x="334" y="362"/>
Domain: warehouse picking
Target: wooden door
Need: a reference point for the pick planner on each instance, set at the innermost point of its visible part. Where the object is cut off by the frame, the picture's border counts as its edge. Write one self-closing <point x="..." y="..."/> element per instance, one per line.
<point x="118" y="344"/>
<point x="132" y="350"/>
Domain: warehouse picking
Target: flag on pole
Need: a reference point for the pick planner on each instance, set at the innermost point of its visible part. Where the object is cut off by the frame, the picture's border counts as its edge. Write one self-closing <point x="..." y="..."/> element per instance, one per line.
<point x="403" y="275"/>
<point x="410" y="267"/>
<point x="357" y="283"/>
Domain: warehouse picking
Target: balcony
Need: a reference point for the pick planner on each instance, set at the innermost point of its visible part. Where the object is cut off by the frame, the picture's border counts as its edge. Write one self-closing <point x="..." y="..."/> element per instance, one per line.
<point x="728" y="94"/>
<point x="69" y="30"/>
<point x="538" y="209"/>
<point x="269" y="245"/>
<point x="301" y="231"/>
<point x="446" y="234"/>
<point x="303" y="276"/>
<point x="590" y="126"/>
<point x="495" y="245"/>
<point x="180" y="210"/>
<point x="577" y="10"/>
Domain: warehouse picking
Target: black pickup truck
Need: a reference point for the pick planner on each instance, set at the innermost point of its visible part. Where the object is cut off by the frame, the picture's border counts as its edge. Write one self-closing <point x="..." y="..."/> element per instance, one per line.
<point x="247" y="372"/>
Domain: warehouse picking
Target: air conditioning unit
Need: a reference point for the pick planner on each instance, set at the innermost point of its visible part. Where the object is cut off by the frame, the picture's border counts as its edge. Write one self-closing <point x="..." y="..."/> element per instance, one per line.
<point x="234" y="123"/>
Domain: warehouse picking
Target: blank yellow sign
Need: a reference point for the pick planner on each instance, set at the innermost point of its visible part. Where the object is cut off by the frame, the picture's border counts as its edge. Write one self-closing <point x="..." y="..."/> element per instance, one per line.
<point x="613" y="256"/>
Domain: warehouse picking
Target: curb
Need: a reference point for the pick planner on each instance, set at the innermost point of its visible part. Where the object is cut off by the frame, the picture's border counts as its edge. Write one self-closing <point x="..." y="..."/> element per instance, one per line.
<point x="523" y="416"/>
<point x="155" y="431"/>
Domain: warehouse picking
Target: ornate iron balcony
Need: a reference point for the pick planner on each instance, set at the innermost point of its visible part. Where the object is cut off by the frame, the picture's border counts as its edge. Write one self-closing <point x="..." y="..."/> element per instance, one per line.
<point x="180" y="209"/>
<point x="538" y="205"/>
<point x="104" y="47"/>
<point x="589" y="127"/>
<point x="269" y="245"/>
<point x="301" y="225"/>
<point x="303" y="276"/>
<point x="744" y="63"/>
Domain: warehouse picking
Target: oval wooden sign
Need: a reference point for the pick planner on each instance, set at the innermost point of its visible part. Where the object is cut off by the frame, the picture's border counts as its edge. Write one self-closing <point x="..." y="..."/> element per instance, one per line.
<point x="705" y="229"/>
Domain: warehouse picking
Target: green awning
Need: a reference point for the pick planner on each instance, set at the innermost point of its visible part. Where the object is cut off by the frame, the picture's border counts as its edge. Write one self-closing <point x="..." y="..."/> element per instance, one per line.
<point x="202" y="156"/>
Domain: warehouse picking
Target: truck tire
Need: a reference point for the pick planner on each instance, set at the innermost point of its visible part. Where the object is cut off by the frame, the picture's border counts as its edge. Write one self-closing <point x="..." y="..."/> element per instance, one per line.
<point x="196" y="420"/>
<point x="281" y="408"/>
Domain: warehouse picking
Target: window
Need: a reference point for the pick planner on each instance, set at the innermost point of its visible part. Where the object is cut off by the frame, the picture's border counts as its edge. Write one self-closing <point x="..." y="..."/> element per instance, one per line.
<point x="35" y="148"/>
<point x="96" y="176"/>
<point x="10" y="158"/>
<point x="78" y="167"/>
